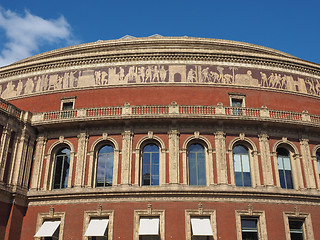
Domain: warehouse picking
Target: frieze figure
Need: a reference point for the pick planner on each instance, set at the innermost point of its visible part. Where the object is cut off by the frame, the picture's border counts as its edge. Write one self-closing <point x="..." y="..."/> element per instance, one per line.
<point x="160" y="73"/>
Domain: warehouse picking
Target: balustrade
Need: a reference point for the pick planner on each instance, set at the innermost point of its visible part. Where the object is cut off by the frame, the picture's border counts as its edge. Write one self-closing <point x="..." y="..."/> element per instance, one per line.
<point x="173" y="110"/>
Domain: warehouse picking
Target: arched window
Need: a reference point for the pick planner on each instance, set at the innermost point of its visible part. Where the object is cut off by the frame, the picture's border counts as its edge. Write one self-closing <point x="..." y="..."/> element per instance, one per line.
<point x="150" y="165"/>
<point x="318" y="160"/>
<point x="197" y="165"/>
<point x="61" y="168"/>
<point x="284" y="167"/>
<point x="105" y="158"/>
<point x="241" y="162"/>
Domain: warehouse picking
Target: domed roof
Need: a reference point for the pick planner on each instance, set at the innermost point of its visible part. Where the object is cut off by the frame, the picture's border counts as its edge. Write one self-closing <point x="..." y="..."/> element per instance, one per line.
<point x="156" y="45"/>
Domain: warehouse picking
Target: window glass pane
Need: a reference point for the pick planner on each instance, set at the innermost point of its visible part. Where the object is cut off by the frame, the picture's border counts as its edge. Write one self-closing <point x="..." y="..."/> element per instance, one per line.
<point x="284" y="166"/>
<point x="240" y="149"/>
<point x="241" y="163"/>
<point x="249" y="229"/>
<point x="245" y="163"/>
<point x="61" y="168"/>
<point x="150" y="165"/>
<point x="105" y="166"/>
<point x="289" y="179"/>
<point x="296" y="229"/>
<point x="236" y="102"/>
<point x="318" y="161"/>
<point x="237" y="163"/>
<point x="286" y="163"/>
<point x="238" y="179"/>
<point x="197" y="165"/>
<point x="246" y="179"/>
<point x="280" y="163"/>
<point x="282" y="178"/>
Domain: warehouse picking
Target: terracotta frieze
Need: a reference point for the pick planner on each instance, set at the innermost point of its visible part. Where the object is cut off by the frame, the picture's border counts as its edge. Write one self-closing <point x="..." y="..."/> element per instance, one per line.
<point x="160" y="74"/>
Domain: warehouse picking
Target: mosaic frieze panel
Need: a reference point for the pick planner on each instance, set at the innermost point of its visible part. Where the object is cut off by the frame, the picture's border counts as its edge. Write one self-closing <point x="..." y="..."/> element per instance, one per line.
<point x="147" y="74"/>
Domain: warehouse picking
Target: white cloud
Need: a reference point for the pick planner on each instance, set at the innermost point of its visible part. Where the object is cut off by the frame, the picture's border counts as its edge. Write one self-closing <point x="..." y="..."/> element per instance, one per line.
<point x="26" y="34"/>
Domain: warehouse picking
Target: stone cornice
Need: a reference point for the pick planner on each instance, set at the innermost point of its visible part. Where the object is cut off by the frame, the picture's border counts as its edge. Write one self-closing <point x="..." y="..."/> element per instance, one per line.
<point x="215" y="193"/>
<point x="144" y="49"/>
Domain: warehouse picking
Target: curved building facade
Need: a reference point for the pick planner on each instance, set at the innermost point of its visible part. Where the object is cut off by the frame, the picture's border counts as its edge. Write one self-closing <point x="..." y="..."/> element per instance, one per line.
<point x="160" y="138"/>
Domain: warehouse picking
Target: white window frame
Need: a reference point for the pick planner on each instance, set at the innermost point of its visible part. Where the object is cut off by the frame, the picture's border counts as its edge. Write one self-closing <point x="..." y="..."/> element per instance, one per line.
<point x="252" y="214"/>
<point x="299" y="216"/>
<point x="200" y="213"/>
<point x="238" y="96"/>
<point x="151" y="213"/>
<point x="68" y="100"/>
<point x="98" y="214"/>
<point x="51" y="216"/>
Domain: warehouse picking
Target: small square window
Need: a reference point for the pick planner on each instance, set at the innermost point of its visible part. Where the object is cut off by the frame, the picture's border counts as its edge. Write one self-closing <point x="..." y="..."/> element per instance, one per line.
<point x="298" y="225"/>
<point x="201" y="224"/>
<point x="251" y="225"/>
<point x="67" y="103"/>
<point x="50" y="225"/>
<point x="236" y="102"/>
<point x="149" y="224"/>
<point x="98" y="225"/>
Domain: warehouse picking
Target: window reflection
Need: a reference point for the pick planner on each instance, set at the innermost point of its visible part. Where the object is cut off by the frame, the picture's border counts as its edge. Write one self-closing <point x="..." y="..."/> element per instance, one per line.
<point x="150" y="165"/>
<point x="241" y="162"/>
<point x="105" y="166"/>
<point x="284" y="167"/>
<point x="197" y="165"/>
<point x="61" y="169"/>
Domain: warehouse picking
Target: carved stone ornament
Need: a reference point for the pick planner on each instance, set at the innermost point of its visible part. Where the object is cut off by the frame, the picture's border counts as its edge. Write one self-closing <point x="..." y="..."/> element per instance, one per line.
<point x="150" y="134"/>
<point x="196" y="134"/>
<point x="61" y="139"/>
<point x="104" y="136"/>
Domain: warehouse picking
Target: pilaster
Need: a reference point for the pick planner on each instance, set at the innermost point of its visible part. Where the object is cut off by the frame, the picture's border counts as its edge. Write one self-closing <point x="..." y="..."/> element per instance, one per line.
<point x="38" y="160"/>
<point x="126" y="161"/>
<point x="4" y="146"/>
<point x="20" y="158"/>
<point x="265" y="159"/>
<point x="81" y="159"/>
<point x="307" y="163"/>
<point x="220" y="143"/>
<point x="174" y="156"/>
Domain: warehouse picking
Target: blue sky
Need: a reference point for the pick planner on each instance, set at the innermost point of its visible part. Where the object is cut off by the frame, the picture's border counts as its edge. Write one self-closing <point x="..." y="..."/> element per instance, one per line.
<point x="29" y="27"/>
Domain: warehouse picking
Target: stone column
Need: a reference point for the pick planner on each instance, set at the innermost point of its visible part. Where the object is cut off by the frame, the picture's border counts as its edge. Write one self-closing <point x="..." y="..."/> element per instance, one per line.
<point x="173" y="157"/>
<point x="20" y="158"/>
<point x="38" y="162"/>
<point x="126" y="157"/>
<point x="28" y="161"/>
<point x="265" y="159"/>
<point x="255" y="173"/>
<point x="220" y="144"/>
<point x="81" y="159"/>
<point x="297" y="172"/>
<point x="307" y="163"/>
<point x="5" y="140"/>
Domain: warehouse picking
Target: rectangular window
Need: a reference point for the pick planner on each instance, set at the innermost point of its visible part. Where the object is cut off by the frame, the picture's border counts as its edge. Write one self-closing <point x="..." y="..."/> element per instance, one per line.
<point x="251" y="224"/>
<point x="149" y="229"/>
<point x="296" y="229"/>
<point x="49" y="230"/>
<point x="67" y="103"/>
<point x="201" y="228"/>
<point x="67" y="106"/>
<point x="97" y="229"/>
<point x="249" y="229"/>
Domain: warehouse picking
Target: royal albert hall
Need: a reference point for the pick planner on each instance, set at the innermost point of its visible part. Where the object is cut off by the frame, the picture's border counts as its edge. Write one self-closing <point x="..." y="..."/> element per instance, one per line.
<point x="160" y="138"/>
